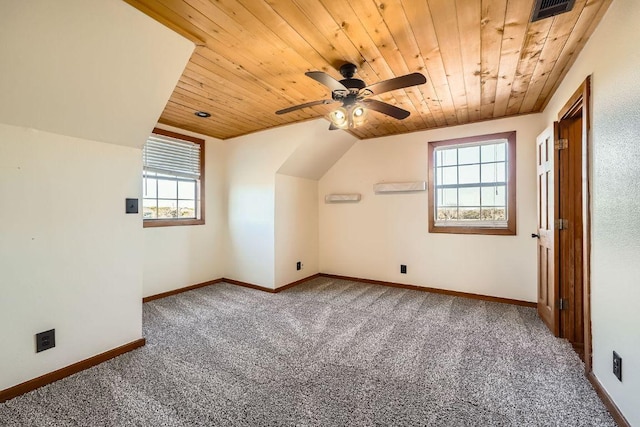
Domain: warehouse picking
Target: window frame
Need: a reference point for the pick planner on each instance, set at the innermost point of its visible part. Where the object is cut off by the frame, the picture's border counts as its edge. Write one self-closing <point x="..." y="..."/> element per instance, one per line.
<point x="510" y="228"/>
<point x="165" y="222"/>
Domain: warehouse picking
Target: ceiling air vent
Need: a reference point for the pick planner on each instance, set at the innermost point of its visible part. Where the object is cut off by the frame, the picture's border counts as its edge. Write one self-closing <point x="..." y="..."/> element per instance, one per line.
<point x="546" y="8"/>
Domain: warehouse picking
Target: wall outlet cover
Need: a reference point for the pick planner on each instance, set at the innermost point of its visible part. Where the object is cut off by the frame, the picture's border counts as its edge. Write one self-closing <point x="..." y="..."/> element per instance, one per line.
<point x="617" y="366"/>
<point x="45" y="340"/>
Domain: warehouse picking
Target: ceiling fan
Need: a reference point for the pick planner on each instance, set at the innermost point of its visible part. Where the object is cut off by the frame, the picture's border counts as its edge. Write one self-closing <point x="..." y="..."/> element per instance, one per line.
<point x="354" y="95"/>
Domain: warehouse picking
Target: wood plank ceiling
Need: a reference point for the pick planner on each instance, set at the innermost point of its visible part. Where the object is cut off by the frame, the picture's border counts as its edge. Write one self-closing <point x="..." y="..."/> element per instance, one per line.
<point x="483" y="59"/>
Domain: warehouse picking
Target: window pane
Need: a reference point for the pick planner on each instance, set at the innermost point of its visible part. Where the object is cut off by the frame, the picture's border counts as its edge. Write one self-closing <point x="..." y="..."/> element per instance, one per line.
<point x="501" y="195"/>
<point x="501" y="169"/>
<point x="488" y="153"/>
<point x="149" y="187"/>
<point x="493" y="152"/>
<point x="489" y="172"/>
<point x="493" y="214"/>
<point x="468" y="155"/>
<point x="469" y="174"/>
<point x="469" y="197"/>
<point x="449" y="175"/>
<point x="167" y="209"/>
<point x="444" y="214"/>
<point x="489" y="196"/>
<point x="187" y="190"/>
<point x="449" y="157"/>
<point x="167" y="189"/>
<point x="447" y="197"/>
<point x="501" y="151"/>
<point x="186" y="209"/>
<point x="469" y="213"/>
<point x="149" y="209"/>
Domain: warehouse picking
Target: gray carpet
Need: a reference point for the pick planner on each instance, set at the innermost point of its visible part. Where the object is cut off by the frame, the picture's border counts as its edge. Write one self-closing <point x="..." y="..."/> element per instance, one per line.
<point x="326" y="353"/>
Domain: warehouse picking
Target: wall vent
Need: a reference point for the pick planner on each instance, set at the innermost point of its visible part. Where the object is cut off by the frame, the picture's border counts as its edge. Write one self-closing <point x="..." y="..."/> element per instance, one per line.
<point x="547" y="8"/>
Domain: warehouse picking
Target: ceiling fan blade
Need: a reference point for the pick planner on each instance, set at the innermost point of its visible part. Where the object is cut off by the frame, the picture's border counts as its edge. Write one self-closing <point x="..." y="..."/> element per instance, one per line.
<point x="327" y="80"/>
<point x="384" y="108"/>
<point x="395" y="83"/>
<point x="305" y="105"/>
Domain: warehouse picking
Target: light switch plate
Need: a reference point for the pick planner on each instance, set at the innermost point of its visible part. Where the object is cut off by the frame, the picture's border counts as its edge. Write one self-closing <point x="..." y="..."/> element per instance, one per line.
<point x="132" y="206"/>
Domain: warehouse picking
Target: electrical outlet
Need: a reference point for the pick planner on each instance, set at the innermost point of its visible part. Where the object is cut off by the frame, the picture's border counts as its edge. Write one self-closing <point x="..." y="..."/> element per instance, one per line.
<point x="617" y="366"/>
<point x="298" y="265"/>
<point x="403" y="269"/>
<point x="45" y="340"/>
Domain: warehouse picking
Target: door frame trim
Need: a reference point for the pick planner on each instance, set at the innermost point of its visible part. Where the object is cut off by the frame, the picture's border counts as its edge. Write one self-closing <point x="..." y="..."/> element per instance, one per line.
<point x="582" y="98"/>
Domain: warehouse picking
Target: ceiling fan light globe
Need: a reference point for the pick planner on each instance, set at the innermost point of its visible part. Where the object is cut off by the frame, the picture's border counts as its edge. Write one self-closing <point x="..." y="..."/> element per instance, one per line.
<point x="339" y="118"/>
<point x="358" y="116"/>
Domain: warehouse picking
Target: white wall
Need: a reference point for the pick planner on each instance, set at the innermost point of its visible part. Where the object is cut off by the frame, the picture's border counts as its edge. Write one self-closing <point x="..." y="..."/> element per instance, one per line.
<point x="296" y="228"/>
<point x="613" y="58"/>
<point x="69" y="255"/>
<point x="370" y="239"/>
<point x="176" y="257"/>
<point x="252" y="164"/>
<point x="70" y="258"/>
<point x="93" y="69"/>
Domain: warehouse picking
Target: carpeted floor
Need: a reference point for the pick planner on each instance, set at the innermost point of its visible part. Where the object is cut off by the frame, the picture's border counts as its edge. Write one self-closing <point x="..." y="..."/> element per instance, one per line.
<point x="326" y="353"/>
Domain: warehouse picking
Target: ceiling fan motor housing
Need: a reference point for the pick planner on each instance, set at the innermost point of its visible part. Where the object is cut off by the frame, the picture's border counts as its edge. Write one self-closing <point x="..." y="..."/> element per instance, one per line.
<point x="348" y="70"/>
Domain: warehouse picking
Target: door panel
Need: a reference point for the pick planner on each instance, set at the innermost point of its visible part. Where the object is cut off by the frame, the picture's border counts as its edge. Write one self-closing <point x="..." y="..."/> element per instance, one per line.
<point x="570" y="241"/>
<point x="547" y="235"/>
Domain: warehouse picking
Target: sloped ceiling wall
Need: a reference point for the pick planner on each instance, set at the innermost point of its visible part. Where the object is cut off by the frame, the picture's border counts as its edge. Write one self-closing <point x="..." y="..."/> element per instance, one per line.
<point x="92" y="69"/>
<point x="318" y="151"/>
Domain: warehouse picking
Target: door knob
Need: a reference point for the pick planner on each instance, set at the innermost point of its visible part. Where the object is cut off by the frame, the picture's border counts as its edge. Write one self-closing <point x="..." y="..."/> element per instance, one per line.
<point x="535" y="236"/>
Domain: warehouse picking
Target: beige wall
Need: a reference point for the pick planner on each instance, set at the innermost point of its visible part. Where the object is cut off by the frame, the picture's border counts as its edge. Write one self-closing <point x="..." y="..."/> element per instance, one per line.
<point x="296" y="228"/>
<point x="612" y="57"/>
<point x="252" y="162"/>
<point x="370" y="239"/>
<point x="94" y="69"/>
<point x="69" y="255"/>
<point x="75" y="74"/>
<point x="255" y="222"/>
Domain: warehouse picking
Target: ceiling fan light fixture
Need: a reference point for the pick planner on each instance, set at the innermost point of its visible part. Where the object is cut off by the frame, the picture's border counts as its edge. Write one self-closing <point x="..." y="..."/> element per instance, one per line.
<point x="339" y="118"/>
<point x="358" y="116"/>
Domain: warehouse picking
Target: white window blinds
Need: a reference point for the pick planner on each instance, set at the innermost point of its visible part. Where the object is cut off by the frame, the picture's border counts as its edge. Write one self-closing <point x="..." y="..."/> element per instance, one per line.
<point x="163" y="154"/>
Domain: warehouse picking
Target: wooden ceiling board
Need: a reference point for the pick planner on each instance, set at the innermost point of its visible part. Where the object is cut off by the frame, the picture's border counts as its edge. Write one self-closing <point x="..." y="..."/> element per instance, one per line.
<point x="493" y="19"/>
<point x="469" y="25"/>
<point x="419" y="17"/>
<point x="514" y="34"/>
<point x="483" y="59"/>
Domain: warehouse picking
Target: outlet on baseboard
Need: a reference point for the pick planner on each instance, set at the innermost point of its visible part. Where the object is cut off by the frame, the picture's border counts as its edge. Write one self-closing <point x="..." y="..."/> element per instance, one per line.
<point x="45" y="340"/>
<point x="403" y="269"/>
<point x="617" y="366"/>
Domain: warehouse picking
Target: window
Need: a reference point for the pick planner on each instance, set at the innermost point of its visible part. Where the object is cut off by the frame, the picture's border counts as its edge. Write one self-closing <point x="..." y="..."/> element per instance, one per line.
<point x="172" y="180"/>
<point x="472" y="185"/>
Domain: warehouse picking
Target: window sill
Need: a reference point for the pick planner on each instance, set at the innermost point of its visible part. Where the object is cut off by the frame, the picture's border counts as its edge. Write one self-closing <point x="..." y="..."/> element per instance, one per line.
<point x="170" y="222"/>
<point x="509" y="231"/>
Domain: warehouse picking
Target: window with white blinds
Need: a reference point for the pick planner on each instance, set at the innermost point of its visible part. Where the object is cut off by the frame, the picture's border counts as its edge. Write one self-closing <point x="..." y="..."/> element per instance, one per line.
<point x="173" y="179"/>
<point x="164" y="154"/>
